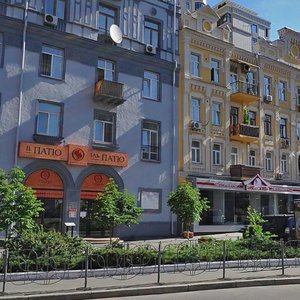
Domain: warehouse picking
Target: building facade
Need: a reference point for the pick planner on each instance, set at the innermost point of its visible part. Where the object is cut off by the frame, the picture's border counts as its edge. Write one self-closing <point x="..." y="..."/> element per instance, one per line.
<point x="238" y="113"/>
<point x="81" y="103"/>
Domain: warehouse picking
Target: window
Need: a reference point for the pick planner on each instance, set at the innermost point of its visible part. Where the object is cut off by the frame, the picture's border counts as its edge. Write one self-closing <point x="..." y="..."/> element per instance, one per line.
<point x="77" y="10"/>
<point x="282" y="91"/>
<point x="188" y="4"/>
<point x="268" y="125"/>
<point x="104" y="127"/>
<point x="252" y="117"/>
<point x="56" y="8"/>
<point x="151" y="33"/>
<point x="215" y="70"/>
<point x="267" y="32"/>
<point x="107" y="17"/>
<point x="49" y="119"/>
<point x="234" y="115"/>
<point x="267" y="85"/>
<point x="252" y="158"/>
<point x="150" y="141"/>
<point x="233" y="82"/>
<point x="216" y="154"/>
<point x="196" y="110"/>
<point x="150" y="200"/>
<point x="1" y="49"/>
<point x="199" y="4"/>
<point x="195" y="65"/>
<point x="32" y="4"/>
<point x="216" y="113"/>
<point x="52" y="62"/>
<point x="283" y="128"/>
<point x="88" y="12"/>
<point x="254" y="28"/>
<point x="298" y="131"/>
<point x="196" y="152"/>
<point x="234" y="156"/>
<point x="151" y="85"/>
<point x="106" y="70"/>
<point x="283" y="164"/>
<point x="269" y="162"/>
<point x="297" y="91"/>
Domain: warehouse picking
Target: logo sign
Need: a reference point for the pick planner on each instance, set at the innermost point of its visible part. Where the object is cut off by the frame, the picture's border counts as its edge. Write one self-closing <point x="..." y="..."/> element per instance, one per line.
<point x="77" y="155"/>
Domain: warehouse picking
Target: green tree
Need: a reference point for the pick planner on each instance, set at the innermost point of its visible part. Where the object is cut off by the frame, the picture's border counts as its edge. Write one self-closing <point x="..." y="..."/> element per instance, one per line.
<point x="19" y="206"/>
<point x="114" y="208"/>
<point x="188" y="204"/>
<point x="255" y="228"/>
<point x="246" y="116"/>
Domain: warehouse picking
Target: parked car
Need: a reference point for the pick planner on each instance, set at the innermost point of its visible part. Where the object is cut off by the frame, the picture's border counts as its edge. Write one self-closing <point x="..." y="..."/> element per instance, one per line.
<point x="283" y="226"/>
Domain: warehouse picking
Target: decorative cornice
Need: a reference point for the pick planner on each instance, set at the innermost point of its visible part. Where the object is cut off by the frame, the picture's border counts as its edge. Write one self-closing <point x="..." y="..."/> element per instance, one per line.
<point x="198" y="88"/>
<point x="206" y="45"/>
<point x="241" y="57"/>
<point x="218" y="93"/>
<point x="275" y="69"/>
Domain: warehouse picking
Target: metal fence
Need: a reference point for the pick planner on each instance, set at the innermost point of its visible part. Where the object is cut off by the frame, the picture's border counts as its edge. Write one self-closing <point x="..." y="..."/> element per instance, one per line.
<point x="48" y="266"/>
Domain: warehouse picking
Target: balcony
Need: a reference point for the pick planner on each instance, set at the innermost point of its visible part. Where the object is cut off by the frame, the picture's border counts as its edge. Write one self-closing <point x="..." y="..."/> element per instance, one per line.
<point x="109" y="92"/>
<point x="244" y="133"/>
<point x="243" y="171"/>
<point x="243" y="92"/>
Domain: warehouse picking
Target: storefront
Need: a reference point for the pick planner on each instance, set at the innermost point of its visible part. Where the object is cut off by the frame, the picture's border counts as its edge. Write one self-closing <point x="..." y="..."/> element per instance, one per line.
<point x="229" y="201"/>
<point x="68" y="192"/>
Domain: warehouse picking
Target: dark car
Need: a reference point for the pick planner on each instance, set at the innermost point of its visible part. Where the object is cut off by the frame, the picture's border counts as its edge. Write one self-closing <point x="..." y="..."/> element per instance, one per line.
<point x="281" y="225"/>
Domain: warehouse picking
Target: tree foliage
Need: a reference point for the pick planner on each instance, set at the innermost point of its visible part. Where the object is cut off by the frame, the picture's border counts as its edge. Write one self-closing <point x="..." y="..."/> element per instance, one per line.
<point x="114" y="208"/>
<point x="188" y="204"/>
<point x="19" y="206"/>
<point x="255" y="228"/>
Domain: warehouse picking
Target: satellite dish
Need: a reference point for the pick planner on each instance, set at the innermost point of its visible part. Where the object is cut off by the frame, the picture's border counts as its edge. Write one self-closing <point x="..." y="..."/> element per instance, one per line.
<point x="115" y="33"/>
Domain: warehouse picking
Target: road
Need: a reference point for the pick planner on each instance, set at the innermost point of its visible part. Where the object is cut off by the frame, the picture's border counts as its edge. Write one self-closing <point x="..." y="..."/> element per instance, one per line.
<point x="283" y="292"/>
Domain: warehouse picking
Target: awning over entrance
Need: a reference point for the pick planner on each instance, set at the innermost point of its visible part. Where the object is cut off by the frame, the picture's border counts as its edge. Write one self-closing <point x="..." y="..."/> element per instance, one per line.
<point x="255" y="184"/>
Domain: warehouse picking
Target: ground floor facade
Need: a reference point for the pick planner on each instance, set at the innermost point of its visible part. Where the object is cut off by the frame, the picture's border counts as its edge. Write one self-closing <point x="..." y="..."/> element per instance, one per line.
<point x="229" y="201"/>
<point x="68" y="178"/>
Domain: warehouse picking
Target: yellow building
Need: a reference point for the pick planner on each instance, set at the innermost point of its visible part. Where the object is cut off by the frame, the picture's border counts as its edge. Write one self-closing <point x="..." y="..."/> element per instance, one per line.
<point x="239" y="116"/>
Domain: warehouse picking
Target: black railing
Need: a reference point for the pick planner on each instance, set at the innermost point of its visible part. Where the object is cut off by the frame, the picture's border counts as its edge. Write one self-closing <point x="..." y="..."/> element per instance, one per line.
<point x="244" y="129"/>
<point x="244" y="87"/>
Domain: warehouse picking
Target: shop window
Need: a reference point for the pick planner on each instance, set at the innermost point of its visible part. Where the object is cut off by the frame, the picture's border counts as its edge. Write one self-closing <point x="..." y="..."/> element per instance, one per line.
<point x="264" y="205"/>
<point x="150" y="200"/>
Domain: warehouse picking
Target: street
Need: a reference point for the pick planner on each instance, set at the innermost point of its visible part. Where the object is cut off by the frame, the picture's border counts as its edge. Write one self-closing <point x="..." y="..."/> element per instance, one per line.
<point x="283" y="292"/>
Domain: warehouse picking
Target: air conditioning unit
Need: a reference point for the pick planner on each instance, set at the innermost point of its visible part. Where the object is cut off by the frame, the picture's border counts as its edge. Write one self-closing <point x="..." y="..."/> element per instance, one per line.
<point x="196" y="125"/>
<point x="50" y="20"/>
<point x="268" y="98"/>
<point x="245" y="68"/>
<point x="150" y="49"/>
<point x="279" y="175"/>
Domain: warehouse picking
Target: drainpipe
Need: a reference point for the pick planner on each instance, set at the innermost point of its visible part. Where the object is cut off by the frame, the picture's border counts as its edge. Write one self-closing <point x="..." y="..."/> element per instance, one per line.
<point x="21" y="83"/>
<point x="174" y="112"/>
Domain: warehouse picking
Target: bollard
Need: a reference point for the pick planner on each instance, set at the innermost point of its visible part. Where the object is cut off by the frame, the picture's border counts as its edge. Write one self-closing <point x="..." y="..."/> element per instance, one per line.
<point x="224" y="258"/>
<point x="86" y="267"/>
<point x="5" y="270"/>
<point x="159" y="262"/>
<point x="282" y="256"/>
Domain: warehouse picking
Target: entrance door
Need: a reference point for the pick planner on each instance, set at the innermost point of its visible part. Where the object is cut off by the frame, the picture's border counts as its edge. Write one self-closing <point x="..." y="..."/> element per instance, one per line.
<point x="51" y="217"/>
<point x="92" y="185"/>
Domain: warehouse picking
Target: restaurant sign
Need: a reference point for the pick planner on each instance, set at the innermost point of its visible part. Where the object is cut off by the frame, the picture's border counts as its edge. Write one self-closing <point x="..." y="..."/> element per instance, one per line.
<point x="73" y="154"/>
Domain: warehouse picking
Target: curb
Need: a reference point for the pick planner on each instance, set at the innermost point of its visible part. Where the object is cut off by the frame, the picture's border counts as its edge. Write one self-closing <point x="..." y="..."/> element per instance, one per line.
<point x="155" y="289"/>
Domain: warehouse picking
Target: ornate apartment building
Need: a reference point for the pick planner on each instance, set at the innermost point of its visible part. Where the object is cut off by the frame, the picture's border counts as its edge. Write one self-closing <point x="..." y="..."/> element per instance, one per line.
<point x="81" y="103"/>
<point x="239" y="116"/>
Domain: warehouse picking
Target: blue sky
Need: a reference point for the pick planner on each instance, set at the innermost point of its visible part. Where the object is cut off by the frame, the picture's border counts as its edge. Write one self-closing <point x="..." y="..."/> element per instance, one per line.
<point x="281" y="13"/>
